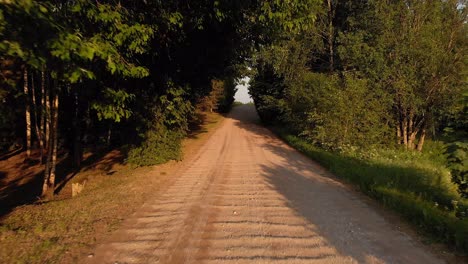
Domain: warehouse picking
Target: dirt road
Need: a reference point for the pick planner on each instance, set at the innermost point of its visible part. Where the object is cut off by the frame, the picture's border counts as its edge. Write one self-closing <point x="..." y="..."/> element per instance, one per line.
<point x="246" y="197"/>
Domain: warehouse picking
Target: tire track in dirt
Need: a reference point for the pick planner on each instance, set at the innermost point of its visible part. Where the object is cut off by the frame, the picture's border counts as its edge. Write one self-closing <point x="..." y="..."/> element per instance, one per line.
<point x="246" y="197"/>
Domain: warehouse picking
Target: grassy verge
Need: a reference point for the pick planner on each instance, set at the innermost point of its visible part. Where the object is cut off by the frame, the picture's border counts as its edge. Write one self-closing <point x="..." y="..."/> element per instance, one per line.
<point x="408" y="183"/>
<point x="66" y="229"/>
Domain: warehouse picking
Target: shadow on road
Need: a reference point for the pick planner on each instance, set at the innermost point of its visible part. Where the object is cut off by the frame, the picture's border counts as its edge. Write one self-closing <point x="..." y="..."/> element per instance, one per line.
<point x="313" y="197"/>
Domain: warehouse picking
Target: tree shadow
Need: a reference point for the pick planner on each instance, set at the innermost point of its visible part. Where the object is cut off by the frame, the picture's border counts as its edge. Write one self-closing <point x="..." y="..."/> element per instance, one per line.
<point x="349" y="223"/>
<point x="21" y="180"/>
<point x="197" y="125"/>
<point x="9" y="154"/>
<point x="102" y="160"/>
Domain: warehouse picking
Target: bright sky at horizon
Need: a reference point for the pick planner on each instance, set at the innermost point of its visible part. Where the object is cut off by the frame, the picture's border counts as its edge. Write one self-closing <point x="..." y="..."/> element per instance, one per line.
<point x="242" y="94"/>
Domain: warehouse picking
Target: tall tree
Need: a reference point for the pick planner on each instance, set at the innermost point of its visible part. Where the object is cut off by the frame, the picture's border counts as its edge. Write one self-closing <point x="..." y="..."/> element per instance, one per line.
<point x="27" y="112"/>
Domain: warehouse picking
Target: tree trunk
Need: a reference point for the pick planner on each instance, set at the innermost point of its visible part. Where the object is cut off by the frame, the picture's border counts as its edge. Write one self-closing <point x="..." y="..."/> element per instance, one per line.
<point x="43" y="112"/>
<point x="47" y="115"/>
<point x="45" y="185"/>
<point x="109" y="134"/>
<point x="398" y="133"/>
<point x="77" y="154"/>
<point x="49" y="173"/>
<point x="27" y="113"/>
<point x="54" y="142"/>
<point x="411" y="140"/>
<point x="411" y="131"/>
<point x="36" y="118"/>
<point x="421" y="140"/>
<point x="404" y="131"/>
<point x="331" y="15"/>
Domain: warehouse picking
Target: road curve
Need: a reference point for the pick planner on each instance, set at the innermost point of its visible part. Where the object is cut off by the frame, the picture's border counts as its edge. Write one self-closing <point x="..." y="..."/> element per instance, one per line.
<point x="247" y="197"/>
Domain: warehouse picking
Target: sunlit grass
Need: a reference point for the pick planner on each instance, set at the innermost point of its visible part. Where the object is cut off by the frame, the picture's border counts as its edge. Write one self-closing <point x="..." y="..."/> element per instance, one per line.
<point x="416" y="185"/>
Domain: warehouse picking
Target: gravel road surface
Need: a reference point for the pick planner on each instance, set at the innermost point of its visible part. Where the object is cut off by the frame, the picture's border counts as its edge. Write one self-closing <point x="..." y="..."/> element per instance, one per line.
<point x="246" y="197"/>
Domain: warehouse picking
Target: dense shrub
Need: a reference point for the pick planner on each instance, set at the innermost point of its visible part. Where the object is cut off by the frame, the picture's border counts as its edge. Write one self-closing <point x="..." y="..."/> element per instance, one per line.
<point x="158" y="147"/>
<point x="458" y="164"/>
<point x="168" y="125"/>
<point x="337" y="113"/>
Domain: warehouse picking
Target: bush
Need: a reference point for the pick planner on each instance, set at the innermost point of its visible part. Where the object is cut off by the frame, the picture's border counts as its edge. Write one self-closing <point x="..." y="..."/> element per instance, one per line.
<point x="458" y="164"/>
<point x="168" y="125"/>
<point x="158" y="147"/>
<point x="337" y="111"/>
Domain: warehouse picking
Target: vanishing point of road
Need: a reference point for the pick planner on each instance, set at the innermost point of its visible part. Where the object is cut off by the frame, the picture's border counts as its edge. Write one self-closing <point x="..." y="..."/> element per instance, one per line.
<point x="247" y="197"/>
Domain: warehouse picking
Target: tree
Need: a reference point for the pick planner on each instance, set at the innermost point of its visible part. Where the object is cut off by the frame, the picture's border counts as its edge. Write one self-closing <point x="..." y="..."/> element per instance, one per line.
<point x="407" y="57"/>
<point x="423" y="47"/>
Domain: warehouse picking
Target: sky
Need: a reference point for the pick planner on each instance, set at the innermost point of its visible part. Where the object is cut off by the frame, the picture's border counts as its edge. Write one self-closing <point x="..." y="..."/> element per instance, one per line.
<point x="242" y="94"/>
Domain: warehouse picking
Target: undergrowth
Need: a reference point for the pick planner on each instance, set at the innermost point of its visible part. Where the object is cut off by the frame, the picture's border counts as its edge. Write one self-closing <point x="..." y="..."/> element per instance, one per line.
<point x="158" y="147"/>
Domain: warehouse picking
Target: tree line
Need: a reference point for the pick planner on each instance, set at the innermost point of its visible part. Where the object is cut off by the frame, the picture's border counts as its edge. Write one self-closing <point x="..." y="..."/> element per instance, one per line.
<point x="79" y="75"/>
<point x="343" y="74"/>
<point x="371" y="74"/>
<point x="82" y="74"/>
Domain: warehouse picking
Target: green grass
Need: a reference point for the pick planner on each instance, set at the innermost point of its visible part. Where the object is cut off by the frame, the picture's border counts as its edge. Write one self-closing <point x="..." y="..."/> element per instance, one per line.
<point x="415" y="185"/>
<point x="237" y="103"/>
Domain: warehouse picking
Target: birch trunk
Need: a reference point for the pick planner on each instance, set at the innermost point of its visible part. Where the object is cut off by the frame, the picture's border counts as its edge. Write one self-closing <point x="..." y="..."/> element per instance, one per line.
<point x="45" y="185"/>
<point x="54" y="142"/>
<point x="331" y="14"/>
<point x="27" y="114"/>
<point x="411" y="140"/>
<point x="77" y="157"/>
<point x="404" y="131"/>
<point x="398" y="133"/>
<point x="109" y="134"/>
<point x="43" y="112"/>
<point x="50" y="167"/>
<point x="421" y="140"/>
<point x="47" y="115"/>
<point x="411" y="131"/>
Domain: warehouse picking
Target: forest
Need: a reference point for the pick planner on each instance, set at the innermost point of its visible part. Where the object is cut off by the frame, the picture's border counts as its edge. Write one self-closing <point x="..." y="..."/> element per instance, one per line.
<point x="376" y="90"/>
<point x="80" y="75"/>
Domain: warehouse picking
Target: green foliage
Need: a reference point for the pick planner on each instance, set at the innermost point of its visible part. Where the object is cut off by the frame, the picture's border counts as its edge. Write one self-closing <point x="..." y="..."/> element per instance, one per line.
<point x="172" y="110"/>
<point x="161" y="142"/>
<point x="267" y="91"/>
<point x="118" y="38"/>
<point x="113" y="106"/>
<point x="291" y="16"/>
<point x="226" y="99"/>
<point x="336" y="111"/>
<point x="458" y="164"/>
<point x="158" y="147"/>
<point x="373" y="74"/>
<point x="139" y="64"/>
<point x="345" y="76"/>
